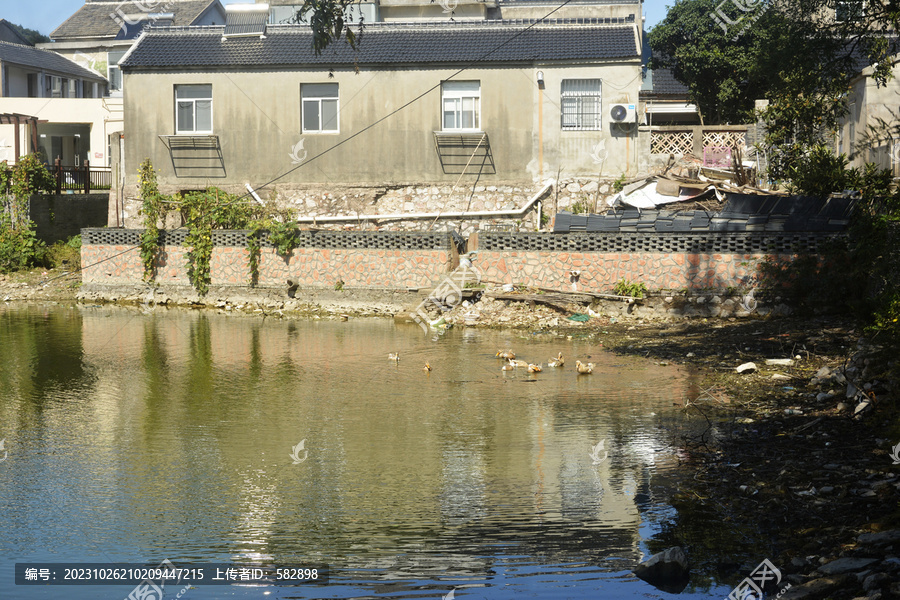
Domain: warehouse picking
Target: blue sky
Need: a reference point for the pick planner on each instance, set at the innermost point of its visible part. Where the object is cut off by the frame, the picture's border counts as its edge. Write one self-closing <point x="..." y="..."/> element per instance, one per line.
<point x="46" y="15"/>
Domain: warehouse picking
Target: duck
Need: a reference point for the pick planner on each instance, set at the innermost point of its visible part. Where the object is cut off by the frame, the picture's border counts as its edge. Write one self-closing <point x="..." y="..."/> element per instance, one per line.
<point x="427" y="367"/>
<point x="584" y="369"/>
<point x="395" y="356"/>
<point x="516" y="363"/>
<point x="507" y="367"/>
<point x="532" y="368"/>
<point x="556" y="362"/>
<point x="507" y="354"/>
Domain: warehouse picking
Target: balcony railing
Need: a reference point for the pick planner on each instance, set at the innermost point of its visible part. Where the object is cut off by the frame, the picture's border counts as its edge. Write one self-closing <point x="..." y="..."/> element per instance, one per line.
<point x="80" y="179"/>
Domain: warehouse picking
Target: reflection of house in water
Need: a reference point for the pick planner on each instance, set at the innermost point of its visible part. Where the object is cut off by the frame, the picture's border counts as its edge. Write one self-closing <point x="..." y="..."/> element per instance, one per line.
<point x="407" y="473"/>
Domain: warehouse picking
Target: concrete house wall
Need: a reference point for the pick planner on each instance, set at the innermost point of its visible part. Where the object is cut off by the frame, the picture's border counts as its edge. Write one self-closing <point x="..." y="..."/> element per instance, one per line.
<point x="257" y="117"/>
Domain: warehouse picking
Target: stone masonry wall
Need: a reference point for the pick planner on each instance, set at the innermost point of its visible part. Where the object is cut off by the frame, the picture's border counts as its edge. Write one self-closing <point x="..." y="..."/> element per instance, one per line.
<point x="569" y="194"/>
<point x="598" y="273"/>
<point x="308" y="267"/>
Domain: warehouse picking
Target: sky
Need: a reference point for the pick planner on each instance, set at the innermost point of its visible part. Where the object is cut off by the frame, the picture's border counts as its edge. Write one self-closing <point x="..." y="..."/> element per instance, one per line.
<point x="47" y="15"/>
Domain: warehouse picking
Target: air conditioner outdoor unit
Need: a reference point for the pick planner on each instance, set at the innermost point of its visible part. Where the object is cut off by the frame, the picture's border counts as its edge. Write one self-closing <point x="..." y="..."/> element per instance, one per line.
<point x="623" y="113"/>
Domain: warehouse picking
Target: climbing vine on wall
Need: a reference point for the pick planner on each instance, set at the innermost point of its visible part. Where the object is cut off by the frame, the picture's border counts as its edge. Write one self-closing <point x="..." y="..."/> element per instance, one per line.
<point x="202" y="212"/>
<point x="19" y="245"/>
<point x="153" y="209"/>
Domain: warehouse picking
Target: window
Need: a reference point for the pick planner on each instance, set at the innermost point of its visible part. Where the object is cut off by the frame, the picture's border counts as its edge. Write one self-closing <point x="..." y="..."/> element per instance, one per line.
<point x="319" y="107"/>
<point x="461" y="105"/>
<point x="112" y="70"/>
<point x="580" y="102"/>
<point x="193" y="108"/>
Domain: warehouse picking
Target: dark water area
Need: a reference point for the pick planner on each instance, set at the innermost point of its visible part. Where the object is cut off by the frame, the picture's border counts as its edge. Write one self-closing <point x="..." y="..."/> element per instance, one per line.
<point x="139" y="436"/>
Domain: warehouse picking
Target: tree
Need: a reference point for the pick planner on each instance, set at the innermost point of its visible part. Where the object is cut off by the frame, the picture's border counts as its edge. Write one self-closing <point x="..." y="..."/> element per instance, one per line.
<point x="792" y="53"/>
<point x="33" y="37"/>
<point x="329" y="20"/>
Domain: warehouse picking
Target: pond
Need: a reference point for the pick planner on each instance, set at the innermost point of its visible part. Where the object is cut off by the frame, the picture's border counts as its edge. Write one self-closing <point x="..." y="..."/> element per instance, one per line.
<point x="138" y="436"/>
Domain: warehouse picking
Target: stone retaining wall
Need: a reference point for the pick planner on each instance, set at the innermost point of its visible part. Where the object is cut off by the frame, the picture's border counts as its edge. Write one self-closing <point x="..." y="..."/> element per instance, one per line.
<point x="402" y="260"/>
<point x="327" y="260"/>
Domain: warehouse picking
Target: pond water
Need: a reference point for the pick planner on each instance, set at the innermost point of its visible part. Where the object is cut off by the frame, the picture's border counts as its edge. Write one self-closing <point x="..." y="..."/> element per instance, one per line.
<point x="137" y="436"/>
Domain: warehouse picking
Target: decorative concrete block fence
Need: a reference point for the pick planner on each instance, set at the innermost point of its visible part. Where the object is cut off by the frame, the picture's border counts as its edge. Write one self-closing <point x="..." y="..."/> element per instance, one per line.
<point x="322" y="259"/>
<point x="406" y="260"/>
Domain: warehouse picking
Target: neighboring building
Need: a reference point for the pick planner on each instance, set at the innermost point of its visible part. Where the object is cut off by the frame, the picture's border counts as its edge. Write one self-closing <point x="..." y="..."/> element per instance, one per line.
<point x="665" y="100"/>
<point x="62" y="99"/>
<point x="100" y="33"/>
<point x="10" y="34"/>
<point x="427" y="103"/>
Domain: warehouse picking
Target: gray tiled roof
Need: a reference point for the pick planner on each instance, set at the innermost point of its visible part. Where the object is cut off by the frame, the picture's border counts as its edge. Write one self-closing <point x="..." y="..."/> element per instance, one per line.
<point x="394" y="44"/>
<point x="93" y="20"/>
<point x="44" y="59"/>
<point x="665" y="84"/>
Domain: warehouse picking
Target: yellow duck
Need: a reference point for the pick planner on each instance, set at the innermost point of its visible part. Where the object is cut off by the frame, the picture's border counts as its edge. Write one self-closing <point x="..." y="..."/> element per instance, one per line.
<point x="584" y="369"/>
<point x="556" y="362"/>
<point x="507" y="354"/>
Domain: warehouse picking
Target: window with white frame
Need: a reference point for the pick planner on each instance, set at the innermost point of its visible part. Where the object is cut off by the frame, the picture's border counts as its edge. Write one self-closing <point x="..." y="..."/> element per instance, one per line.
<point x="113" y="73"/>
<point x="193" y="108"/>
<point x="319" y="107"/>
<point x="580" y="104"/>
<point x="461" y="105"/>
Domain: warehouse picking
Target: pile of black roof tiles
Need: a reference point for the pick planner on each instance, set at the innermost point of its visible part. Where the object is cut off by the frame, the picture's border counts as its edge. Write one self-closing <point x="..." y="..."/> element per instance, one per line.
<point x="742" y="212"/>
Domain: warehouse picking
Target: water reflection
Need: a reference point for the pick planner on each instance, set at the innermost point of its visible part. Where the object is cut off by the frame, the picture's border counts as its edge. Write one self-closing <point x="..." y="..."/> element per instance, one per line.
<point x="176" y="443"/>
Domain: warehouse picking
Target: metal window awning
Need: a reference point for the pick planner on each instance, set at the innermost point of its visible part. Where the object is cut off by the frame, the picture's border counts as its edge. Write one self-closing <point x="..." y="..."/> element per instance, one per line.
<point x="195" y="155"/>
<point x="464" y="153"/>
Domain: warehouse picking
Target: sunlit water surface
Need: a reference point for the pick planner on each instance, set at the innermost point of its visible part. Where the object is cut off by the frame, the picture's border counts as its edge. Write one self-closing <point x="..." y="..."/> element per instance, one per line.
<point x="138" y="436"/>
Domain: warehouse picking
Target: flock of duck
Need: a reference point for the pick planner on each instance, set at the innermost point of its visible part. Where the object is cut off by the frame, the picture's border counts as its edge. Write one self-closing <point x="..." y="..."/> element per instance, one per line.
<point x="513" y="363"/>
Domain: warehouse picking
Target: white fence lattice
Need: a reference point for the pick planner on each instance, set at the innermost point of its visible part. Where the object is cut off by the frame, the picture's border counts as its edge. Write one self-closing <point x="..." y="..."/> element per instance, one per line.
<point x="671" y="142"/>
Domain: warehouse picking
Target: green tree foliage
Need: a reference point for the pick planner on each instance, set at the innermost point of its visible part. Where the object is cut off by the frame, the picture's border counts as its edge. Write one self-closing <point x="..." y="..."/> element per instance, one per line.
<point x="792" y="54"/>
<point x="19" y="245"/>
<point x="328" y="19"/>
<point x="34" y="37"/>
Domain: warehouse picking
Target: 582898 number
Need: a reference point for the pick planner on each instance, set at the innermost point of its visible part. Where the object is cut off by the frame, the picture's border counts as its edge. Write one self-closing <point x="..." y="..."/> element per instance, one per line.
<point x="296" y="573"/>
